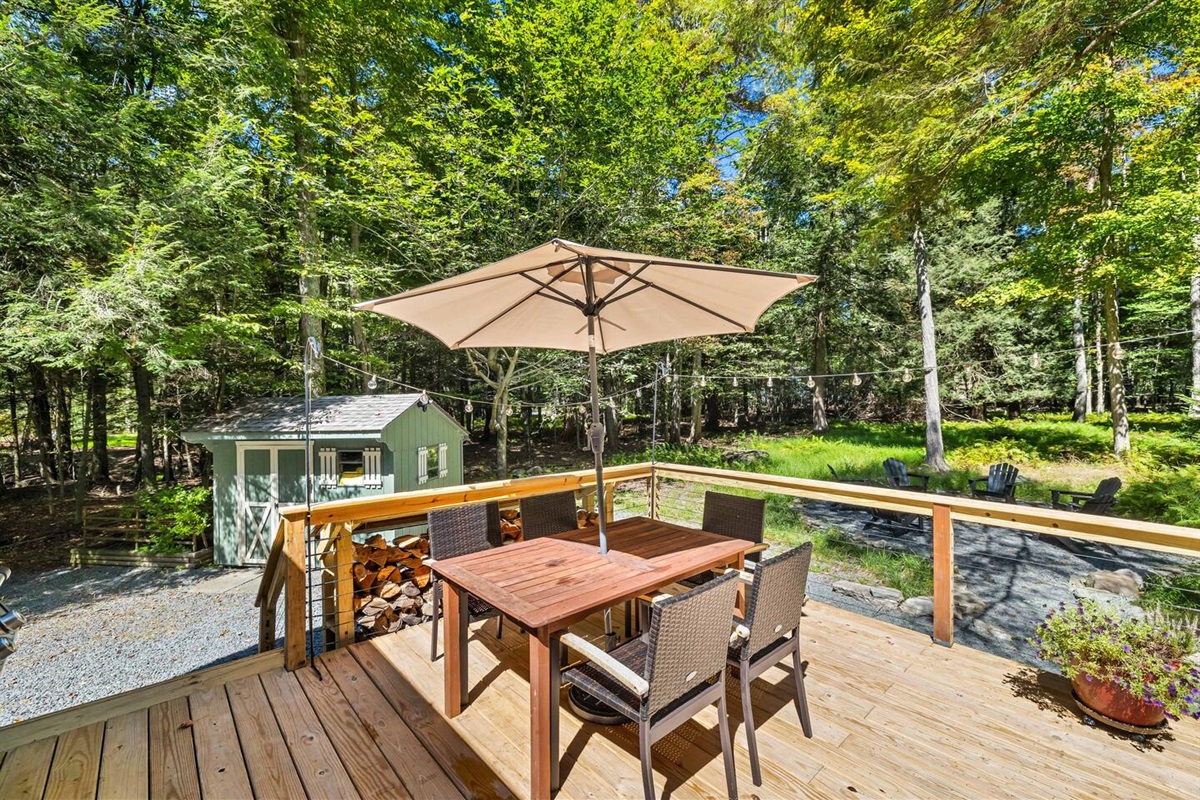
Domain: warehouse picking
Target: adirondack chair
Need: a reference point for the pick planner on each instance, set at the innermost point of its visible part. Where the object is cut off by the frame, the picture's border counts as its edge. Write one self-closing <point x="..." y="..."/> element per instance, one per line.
<point x="999" y="484"/>
<point x="1098" y="502"/>
<point x="859" y="481"/>
<point x="898" y="476"/>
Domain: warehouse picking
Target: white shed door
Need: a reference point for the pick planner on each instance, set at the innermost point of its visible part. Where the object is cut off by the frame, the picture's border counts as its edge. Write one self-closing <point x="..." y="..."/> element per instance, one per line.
<point x="268" y="476"/>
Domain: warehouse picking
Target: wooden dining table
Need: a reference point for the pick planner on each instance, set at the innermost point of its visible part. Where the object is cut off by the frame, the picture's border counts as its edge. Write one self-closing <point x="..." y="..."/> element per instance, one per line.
<point x="547" y="584"/>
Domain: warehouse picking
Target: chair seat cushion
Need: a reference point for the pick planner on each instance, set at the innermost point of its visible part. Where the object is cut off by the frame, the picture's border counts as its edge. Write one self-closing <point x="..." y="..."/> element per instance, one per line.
<point x="598" y="683"/>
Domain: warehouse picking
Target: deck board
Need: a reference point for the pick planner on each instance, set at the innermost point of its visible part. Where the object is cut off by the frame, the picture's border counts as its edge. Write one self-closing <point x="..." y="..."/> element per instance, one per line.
<point x="894" y="716"/>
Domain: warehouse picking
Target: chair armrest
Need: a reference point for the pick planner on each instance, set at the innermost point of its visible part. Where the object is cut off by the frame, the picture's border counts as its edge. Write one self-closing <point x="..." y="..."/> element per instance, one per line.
<point x="924" y="479"/>
<point x="740" y="634"/>
<point x="759" y="548"/>
<point x="600" y="658"/>
<point x="972" y="481"/>
<point x="743" y="576"/>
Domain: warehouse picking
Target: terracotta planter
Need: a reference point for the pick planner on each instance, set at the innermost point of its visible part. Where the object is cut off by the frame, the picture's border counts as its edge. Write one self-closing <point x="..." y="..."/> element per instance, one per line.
<point x="1109" y="699"/>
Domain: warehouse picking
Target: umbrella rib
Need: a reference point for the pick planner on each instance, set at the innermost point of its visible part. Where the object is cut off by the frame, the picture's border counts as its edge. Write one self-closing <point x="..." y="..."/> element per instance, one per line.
<point x="628" y="277"/>
<point x="433" y="288"/>
<point x="669" y="293"/>
<point x="536" y="291"/>
<point x="565" y="298"/>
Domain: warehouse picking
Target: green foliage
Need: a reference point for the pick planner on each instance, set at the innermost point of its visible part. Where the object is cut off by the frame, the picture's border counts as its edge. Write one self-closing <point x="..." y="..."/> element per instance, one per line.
<point x="693" y="455"/>
<point x="1163" y="494"/>
<point x="175" y="517"/>
<point x="1144" y="656"/>
<point x="1174" y="596"/>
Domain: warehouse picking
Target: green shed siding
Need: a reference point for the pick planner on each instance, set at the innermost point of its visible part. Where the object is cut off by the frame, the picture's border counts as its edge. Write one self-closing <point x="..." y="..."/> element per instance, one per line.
<point x="399" y="441"/>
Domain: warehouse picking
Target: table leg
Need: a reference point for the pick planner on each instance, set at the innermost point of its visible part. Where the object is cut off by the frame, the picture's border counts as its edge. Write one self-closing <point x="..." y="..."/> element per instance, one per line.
<point x="454" y="659"/>
<point x="543" y="709"/>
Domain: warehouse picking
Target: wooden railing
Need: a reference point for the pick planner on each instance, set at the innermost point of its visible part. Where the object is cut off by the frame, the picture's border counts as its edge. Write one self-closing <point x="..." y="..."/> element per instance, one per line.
<point x="334" y="522"/>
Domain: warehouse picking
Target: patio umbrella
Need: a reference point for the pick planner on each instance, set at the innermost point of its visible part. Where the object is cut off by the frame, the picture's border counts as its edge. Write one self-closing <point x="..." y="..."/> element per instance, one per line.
<point x="574" y="297"/>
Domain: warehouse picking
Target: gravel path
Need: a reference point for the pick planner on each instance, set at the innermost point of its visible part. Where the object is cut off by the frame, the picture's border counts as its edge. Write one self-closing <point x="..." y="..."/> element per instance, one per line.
<point x="1018" y="576"/>
<point x="97" y="631"/>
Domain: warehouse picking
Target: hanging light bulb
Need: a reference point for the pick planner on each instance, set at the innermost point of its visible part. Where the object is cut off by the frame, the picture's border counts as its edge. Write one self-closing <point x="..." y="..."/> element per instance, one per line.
<point x="638" y="393"/>
<point x="810" y="382"/>
<point x="667" y="378"/>
<point x="508" y="410"/>
<point x="703" y="381"/>
<point x="423" y="400"/>
<point x="582" y="409"/>
<point x="373" y="383"/>
<point x="907" y="376"/>
<point x="856" y="380"/>
<point x="735" y="382"/>
<point x="1036" y="361"/>
<point x="770" y="382"/>
<point x="469" y="407"/>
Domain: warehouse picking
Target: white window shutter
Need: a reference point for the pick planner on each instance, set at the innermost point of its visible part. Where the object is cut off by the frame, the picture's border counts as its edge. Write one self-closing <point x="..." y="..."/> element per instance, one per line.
<point x="373" y="467"/>
<point x="422" y="465"/>
<point x="327" y="464"/>
<point x="443" y="470"/>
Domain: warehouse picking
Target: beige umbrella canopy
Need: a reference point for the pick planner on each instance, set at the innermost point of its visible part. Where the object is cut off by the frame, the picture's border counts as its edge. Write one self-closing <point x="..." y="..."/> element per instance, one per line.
<point x="575" y="297"/>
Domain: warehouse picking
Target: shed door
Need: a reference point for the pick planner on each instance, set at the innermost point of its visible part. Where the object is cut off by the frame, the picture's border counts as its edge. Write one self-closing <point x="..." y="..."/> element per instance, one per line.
<point x="270" y="476"/>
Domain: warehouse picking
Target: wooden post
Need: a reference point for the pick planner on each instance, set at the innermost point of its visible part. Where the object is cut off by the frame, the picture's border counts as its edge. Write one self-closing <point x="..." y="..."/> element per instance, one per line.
<point x="454" y="653"/>
<point x="609" y="490"/>
<point x="343" y="549"/>
<point x="652" y="490"/>
<point x="943" y="576"/>
<point x="295" y="632"/>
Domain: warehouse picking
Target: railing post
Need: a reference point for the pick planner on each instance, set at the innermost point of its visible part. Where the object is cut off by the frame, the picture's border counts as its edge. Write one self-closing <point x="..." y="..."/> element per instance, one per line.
<point x="295" y="632"/>
<point x="943" y="576"/>
<point x="343" y="555"/>
<point x="610" y="489"/>
<point x="652" y="490"/>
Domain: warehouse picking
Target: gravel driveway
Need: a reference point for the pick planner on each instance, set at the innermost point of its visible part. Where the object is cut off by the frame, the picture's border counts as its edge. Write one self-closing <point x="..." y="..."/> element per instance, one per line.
<point x="97" y="631"/>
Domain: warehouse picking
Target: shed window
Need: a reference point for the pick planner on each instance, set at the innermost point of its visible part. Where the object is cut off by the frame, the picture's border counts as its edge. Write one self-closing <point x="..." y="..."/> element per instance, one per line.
<point x="431" y="463"/>
<point x="351" y="467"/>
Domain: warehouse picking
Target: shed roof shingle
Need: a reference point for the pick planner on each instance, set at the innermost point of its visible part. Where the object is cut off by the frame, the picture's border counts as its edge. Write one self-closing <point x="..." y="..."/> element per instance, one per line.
<point x="335" y="414"/>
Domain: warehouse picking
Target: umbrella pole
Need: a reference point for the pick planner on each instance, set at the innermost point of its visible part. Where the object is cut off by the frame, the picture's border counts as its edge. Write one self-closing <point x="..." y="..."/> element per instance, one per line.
<point x="596" y="432"/>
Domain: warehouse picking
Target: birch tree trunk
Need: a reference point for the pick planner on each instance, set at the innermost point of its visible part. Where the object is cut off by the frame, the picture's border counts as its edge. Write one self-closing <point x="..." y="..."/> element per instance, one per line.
<point x="935" y="452"/>
<point x="1101" y="401"/>
<point x="820" y="418"/>
<point x="1116" y="381"/>
<point x="1079" y="412"/>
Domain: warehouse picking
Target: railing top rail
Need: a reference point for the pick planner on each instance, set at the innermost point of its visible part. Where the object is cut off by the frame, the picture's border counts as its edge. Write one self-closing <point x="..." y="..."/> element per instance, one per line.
<point x="401" y="504"/>
<point x="1111" y="530"/>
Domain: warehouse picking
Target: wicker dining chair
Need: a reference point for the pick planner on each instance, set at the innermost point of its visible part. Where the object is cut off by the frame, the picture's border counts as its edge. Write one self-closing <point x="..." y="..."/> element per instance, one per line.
<point x="736" y="517"/>
<point x="457" y="532"/>
<point x="663" y="678"/>
<point x="770" y="633"/>
<point x="548" y="514"/>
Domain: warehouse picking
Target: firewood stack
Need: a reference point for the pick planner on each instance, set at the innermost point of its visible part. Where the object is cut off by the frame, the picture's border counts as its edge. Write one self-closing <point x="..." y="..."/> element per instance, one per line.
<point x="391" y="581"/>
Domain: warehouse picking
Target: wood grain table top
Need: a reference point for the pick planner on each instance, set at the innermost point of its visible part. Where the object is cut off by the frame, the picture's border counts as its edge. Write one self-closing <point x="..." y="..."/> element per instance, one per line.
<point x="556" y="580"/>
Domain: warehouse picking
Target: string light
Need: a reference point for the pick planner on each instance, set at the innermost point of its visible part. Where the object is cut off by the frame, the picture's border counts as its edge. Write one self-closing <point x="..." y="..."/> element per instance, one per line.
<point x="373" y="384"/>
<point x="907" y="376"/>
<point x="638" y="393"/>
<point x="423" y="401"/>
<point x="1036" y="361"/>
<point x="811" y="383"/>
<point x="735" y="385"/>
<point x="770" y="382"/>
<point x="856" y="380"/>
<point x="703" y="381"/>
<point x="508" y="410"/>
<point x="469" y="407"/>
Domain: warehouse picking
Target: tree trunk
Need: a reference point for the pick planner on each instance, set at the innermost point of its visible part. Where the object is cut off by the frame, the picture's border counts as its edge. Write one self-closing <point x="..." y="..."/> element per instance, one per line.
<point x="39" y="402"/>
<point x="935" y="453"/>
<point x="98" y="381"/>
<point x="675" y="412"/>
<point x="292" y="30"/>
<point x="143" y="393"/>
<point x="85" y="455"/>
<point x="63" y="432"/>
<point x="357" y="328"/>
<point x="500" y="428"/>
<point x="1116" y="382"/>
<point x="1079" y="412"/>
<point x="16" y="427"/>
<point x="697" y="405"/>
<point x="1101" y="400"/>
<point x="820" y="418"/>
<point x="1194" y="405"/>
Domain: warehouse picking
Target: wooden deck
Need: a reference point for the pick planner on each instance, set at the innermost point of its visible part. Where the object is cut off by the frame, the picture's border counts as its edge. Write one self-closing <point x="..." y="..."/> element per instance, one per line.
<point x="894" y="716"/>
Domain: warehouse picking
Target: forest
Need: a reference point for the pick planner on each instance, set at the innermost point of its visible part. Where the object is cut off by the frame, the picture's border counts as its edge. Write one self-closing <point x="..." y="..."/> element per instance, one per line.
<point x="1000" y="198"/>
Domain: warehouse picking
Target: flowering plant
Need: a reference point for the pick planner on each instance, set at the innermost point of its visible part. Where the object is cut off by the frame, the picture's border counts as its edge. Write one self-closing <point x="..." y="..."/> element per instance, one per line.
<point x="1146" y="657"/>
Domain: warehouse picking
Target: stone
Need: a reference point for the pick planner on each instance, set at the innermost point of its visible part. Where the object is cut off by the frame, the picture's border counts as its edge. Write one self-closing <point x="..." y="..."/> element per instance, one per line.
<point x="1131" y="574"/>
<point x="1118" y="583"/>
<point x="1113" y="603"/>
<point x="967" y="603"/>
<point x="917" y="606"/>
<point x="878" y="596"/>
<point x="989" y="631"/>
<point x="746" y="456"/>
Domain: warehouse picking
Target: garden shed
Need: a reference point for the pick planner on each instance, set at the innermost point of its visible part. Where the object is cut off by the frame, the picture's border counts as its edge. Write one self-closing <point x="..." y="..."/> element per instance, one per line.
<point x="362" y="446"/>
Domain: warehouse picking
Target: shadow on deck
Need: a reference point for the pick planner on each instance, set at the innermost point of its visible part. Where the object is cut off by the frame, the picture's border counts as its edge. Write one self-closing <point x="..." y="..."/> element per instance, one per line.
<point x="894" y="716"/>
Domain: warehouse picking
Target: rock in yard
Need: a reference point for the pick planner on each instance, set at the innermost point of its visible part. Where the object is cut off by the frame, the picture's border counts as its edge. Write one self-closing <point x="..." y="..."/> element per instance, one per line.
<point x="1114" y="603"/>
<point x="967" y="603"/>
<point x="1125" y="582"/>
<point x="882" y="596"/>
<point x="746" y="456"/>
<point x="918" y="606"/>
